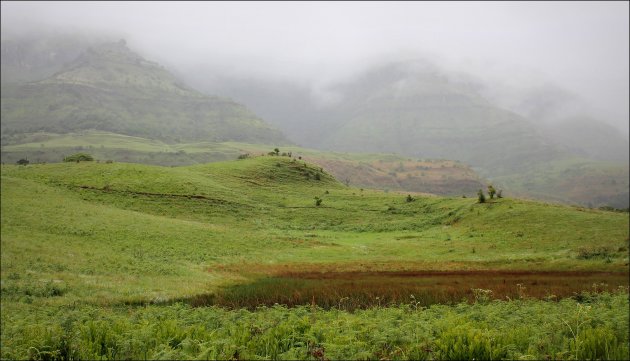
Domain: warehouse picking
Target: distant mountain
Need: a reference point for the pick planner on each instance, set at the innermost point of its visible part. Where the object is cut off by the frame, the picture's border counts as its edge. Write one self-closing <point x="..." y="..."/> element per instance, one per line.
<point x="566" y="120"/>
<point x="109" y="87"/>
<point x="409" y="108"/>
<point x="418" y="110"/>
<point x="586" y="137"/>
<point x="415" y="110"/>
<point x="27" y="58"/>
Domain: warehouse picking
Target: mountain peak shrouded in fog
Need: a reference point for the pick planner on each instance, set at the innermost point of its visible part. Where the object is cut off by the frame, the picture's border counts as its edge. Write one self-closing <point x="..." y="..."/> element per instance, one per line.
<point x="114" y="64"/>
<point x="109" y="87"/>
<point x="580" y="46"/>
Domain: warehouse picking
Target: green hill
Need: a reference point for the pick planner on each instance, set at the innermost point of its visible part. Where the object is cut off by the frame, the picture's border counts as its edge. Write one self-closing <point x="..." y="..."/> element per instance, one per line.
<point x="110" y="88"/>
<point x="379" y="171"/>
<point x="108" y="260"/>
<point x="231" y="197"/>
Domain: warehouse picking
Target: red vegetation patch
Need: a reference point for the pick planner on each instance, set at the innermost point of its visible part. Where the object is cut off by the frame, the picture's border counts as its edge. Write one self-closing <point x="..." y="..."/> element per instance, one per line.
<point x="361" y="289"/>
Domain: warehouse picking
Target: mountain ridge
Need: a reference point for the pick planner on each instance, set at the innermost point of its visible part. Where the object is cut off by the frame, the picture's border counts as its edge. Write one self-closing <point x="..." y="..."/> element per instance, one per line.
<point x="109" y="87"/>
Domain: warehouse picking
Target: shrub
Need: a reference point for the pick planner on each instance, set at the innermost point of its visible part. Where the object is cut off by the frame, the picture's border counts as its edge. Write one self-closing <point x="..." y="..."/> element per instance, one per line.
<point x="482" y="197"/>
<point x="594" y="252"/>
<point x="77" y="157"/>
<point x="491" y="191"/>
<point x="468" y="343"/>
<point x="243" y="156"/>
<point x="318" y="201"/>
<point x="22" y="161"/>
<point x="409" y="198"/>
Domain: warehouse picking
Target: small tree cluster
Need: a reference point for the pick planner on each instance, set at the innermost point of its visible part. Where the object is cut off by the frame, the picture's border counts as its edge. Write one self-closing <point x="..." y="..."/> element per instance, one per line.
<point x="318" y="201"/>
<point x="276" y="152"/>
<point x="78" y="157"/>
<point x="409" y="198"/>
<point x="491" y="194"/>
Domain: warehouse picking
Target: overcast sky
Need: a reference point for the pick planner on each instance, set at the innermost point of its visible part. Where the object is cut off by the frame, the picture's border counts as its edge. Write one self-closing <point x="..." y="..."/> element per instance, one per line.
<point x="582" y="46"/>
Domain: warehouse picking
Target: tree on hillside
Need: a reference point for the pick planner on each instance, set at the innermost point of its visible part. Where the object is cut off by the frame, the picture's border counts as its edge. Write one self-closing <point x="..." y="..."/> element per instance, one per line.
<point x="491" y="191"/>
<point x="482" y="197"/>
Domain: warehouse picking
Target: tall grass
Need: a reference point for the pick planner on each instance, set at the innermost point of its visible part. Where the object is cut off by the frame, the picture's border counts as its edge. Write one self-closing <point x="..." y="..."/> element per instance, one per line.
<point x="594" y="328"/>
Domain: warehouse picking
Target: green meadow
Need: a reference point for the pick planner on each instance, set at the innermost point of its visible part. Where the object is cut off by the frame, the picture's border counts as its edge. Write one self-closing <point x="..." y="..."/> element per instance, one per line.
<point x="271" y="257"/>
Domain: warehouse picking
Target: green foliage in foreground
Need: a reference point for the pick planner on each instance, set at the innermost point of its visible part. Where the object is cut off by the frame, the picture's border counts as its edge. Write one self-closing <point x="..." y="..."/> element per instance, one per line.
<point x="595" y="328"/>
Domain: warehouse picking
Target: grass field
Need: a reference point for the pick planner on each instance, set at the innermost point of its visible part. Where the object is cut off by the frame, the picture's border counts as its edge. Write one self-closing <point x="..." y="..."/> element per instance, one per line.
<point x="572" y="180"/>
<point x="117" y="260"/>
<point x="378" y="171"/>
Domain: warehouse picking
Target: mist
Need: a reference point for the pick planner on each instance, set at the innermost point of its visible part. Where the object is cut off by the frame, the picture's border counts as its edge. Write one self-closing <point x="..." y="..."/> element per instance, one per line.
<point x="578" y="49"/>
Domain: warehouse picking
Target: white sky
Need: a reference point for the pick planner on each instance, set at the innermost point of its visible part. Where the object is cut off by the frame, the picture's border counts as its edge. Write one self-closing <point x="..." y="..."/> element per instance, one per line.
<point x="582" y="46"/>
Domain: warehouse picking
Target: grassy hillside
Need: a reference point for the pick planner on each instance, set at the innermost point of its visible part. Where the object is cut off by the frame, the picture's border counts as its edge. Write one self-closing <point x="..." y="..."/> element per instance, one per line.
<point x="573" y="180"/>
<point x="380" y="171"/>
<point x="95" y="254"/>
<point x="110" y="88"/>
<point x="262" y="211"/>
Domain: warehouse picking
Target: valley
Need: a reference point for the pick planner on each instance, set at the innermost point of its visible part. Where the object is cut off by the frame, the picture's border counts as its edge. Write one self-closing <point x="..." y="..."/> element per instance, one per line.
<point x="314" y="181"/>
<point x="122" y="237"/>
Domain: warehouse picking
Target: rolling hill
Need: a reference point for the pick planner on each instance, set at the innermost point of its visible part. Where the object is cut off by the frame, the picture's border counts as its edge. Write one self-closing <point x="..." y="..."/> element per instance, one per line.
<point x="119" y="260"/>
<point x="384" y="171"/>
<point x="114" y="260"/>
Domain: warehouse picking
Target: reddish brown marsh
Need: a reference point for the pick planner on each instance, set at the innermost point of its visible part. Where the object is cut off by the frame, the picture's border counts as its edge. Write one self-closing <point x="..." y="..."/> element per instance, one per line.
<point x="351" y="290"/>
